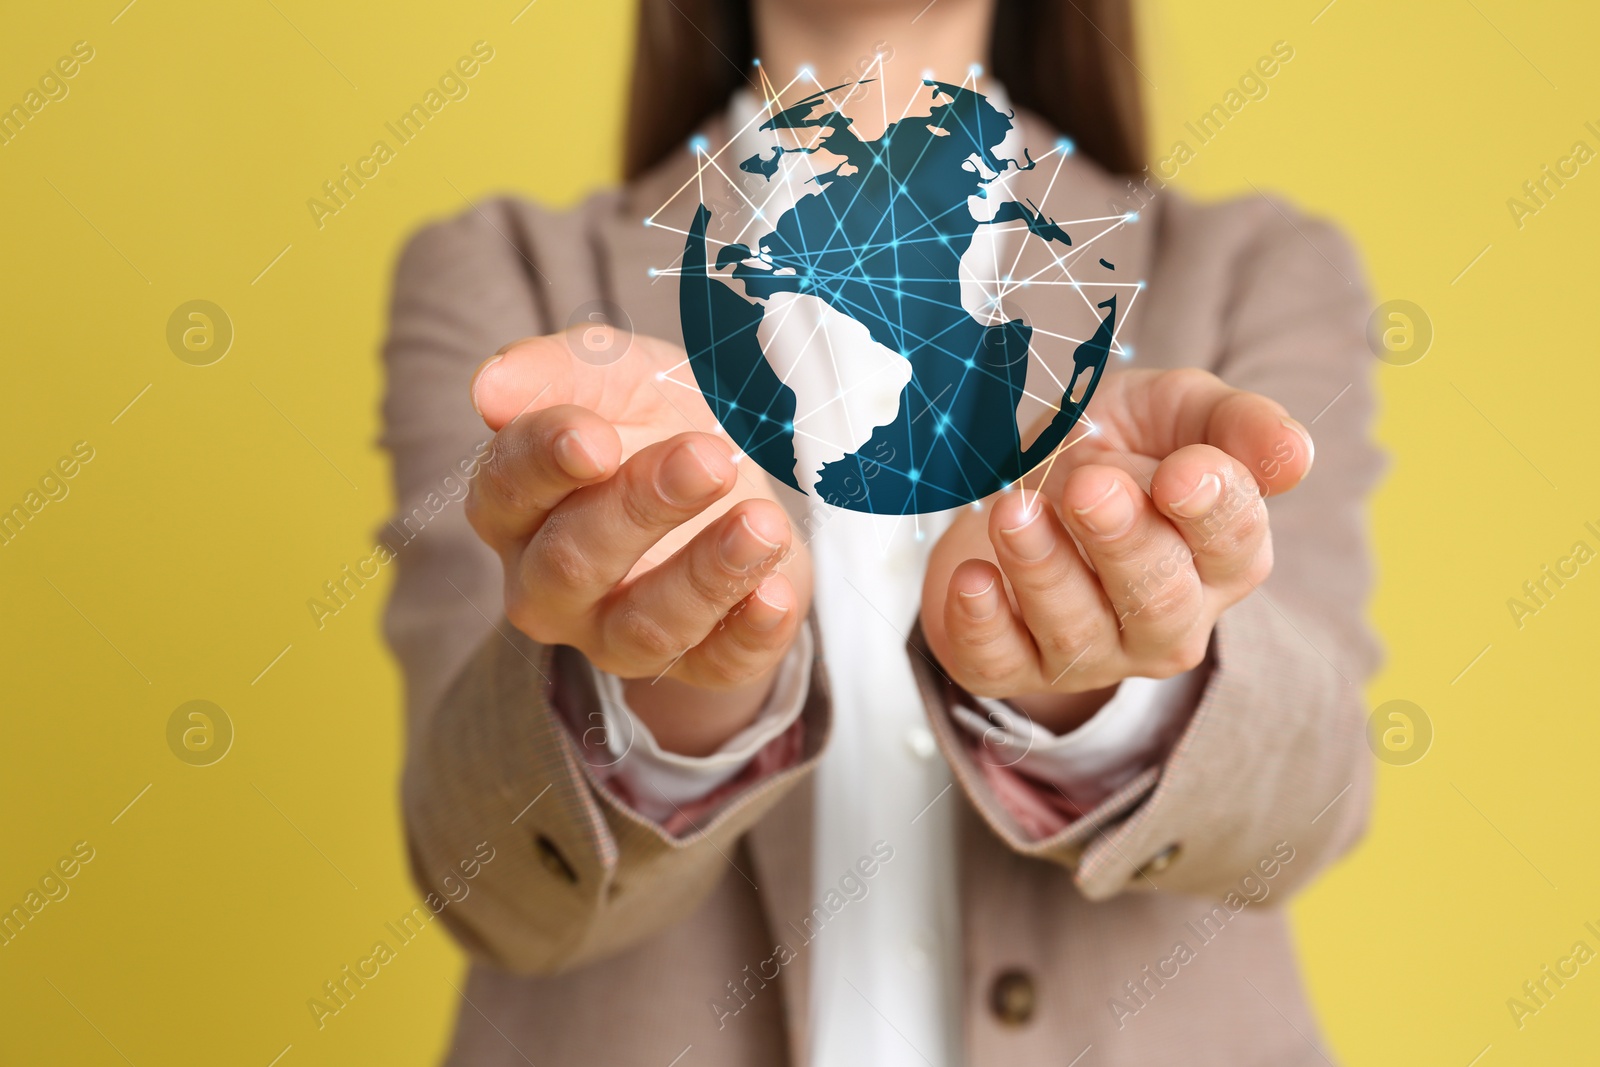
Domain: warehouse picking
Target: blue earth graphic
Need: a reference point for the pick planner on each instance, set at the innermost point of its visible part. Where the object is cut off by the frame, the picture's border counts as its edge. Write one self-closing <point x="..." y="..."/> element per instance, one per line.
<point x="881" y="241"/>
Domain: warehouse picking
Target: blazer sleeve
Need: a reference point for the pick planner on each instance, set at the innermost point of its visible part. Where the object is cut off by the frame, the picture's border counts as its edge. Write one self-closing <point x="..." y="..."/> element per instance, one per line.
<point x="575" y="874"/>
<point x="1274" y="761"/>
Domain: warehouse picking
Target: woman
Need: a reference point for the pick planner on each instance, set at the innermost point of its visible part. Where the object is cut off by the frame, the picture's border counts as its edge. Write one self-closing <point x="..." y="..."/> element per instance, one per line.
<point x="773" y="782"/>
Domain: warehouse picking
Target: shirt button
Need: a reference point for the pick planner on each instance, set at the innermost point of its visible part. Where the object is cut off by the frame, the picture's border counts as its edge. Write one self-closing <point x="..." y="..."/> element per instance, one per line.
<point x="1012" y="997"/>
<point x="920" y="741"/>
<point x="1160" y="861"/>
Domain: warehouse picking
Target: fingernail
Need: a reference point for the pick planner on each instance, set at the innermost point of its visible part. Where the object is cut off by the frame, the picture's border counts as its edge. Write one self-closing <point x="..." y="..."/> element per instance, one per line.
<point x="1305" y="435"/>
<point x="686" y="478"/>
<point x="1111" y="515"/>
<point x="741" y="548"/>
<point x="573" y="454"/>
<point x="1201" y="499"/>
<point x="768" y="619"/>
<point x="982" y="604"/>
<point x="477" y="380"/>
<point x="1030" y="539"/>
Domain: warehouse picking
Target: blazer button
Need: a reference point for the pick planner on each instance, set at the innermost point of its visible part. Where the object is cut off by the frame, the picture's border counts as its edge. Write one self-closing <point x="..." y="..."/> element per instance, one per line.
<point x="553" y="861"/>
<point x="1012" y="997"/>
<point x="1160" y="861"/>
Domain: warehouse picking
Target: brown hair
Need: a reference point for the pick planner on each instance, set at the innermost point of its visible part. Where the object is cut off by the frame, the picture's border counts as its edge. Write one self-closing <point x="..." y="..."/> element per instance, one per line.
<point x="1070" y="63"/>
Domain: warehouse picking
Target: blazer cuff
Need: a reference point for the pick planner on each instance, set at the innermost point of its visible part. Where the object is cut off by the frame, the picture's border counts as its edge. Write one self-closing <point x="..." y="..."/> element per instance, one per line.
<point x="1131" y="732"/>
<point x="1274" y="752"/>
<point x="669" y="788"/>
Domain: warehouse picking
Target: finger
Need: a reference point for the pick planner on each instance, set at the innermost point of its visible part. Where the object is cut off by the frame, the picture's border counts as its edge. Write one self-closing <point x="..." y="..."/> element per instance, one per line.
<point x="536" y="461"/>
<point x="1144" y="567"/>
<point x="1159" y="412"/>
<point x="539" y="372"/>
<point x="674" y="606"/>
<point x="1060" y="598"/>
<point x="524" y="376"/>
<point x="592" y="540"/>
<point x="751" y="639"/>
<point x="1217" y="507"/>
<point x="990" y="652"/>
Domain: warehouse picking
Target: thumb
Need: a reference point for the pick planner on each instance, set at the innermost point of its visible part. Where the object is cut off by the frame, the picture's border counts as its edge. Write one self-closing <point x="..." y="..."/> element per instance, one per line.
<point x="1158" y="412"/>
<point x="527" y="375"/>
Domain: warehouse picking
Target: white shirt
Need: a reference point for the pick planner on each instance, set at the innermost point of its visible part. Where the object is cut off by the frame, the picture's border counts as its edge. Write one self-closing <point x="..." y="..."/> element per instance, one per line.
<point x="886" y="970"/>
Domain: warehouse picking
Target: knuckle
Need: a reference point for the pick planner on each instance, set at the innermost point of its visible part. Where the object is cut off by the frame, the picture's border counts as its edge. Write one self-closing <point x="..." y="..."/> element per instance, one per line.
<point x="989" y="675"/>
<point x="709" y="582"/>
<point x="522" y="613"/>
<point x="642" y="506"/>
<point x="1258" y="569"/>
<point x="1240" y="528"/>
<point x="975" y="639"/>
<point x="1157" y="597"/>
<point x="473" y="508"/>
<point x="634" y="629"/>
<point x="504" y="481"/>
<point x="1168" y="599"/>
<point x="1185" y="654"/>
<point x="1191" y="378"/>
<point x="1067" y="640"/>
<point x="563" y="559"/>
<point x="725" y="668"/>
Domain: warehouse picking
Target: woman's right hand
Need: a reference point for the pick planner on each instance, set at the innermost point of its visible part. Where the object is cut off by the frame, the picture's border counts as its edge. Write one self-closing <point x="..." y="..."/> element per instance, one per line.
<point x="627" y="531"/>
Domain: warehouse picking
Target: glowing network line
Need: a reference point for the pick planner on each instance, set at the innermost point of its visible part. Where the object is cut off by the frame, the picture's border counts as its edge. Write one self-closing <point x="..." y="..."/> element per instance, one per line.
<point x="881" y="296"/>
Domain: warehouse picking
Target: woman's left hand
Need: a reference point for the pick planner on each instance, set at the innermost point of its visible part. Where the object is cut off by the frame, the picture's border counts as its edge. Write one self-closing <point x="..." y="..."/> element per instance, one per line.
<point x="1165" y="498"/>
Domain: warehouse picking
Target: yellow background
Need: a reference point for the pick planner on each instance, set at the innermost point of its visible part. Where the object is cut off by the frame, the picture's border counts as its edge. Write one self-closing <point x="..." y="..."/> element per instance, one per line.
<point x="180" y="564"/>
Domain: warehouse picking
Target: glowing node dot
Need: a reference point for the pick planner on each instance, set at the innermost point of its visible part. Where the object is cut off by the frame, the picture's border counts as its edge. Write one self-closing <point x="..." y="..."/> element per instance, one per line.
<point x="1141" y="285"/>
<point x="651" y="273"/>
<point x="913" y="474"/>
<point x="698" y="145"/>
<point x="969" y="363"/>
<point x="648" y="222"/>
<point x="975" y="70"/>
<point x="661" y="375"/>
<point x="1066" y="146"/>
<point x="756" y="62"/>
<point x="807" y="72"/>
<point x="1132" y="216"/>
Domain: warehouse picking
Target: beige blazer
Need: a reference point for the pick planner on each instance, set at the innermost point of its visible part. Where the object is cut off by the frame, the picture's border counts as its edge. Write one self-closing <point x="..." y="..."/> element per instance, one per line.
<point x="1149" y="932"/>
